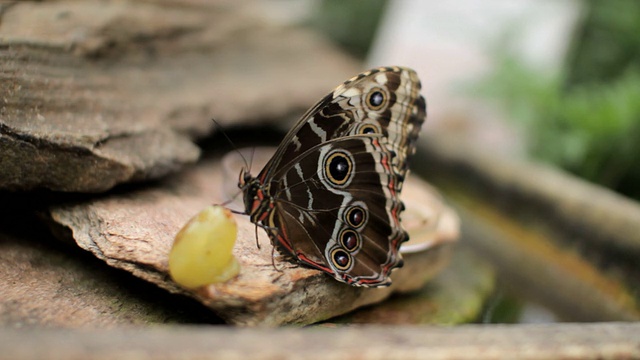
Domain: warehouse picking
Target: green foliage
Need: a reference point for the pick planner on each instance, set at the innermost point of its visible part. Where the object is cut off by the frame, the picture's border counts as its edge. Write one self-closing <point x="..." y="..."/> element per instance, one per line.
<point x="606" y="44"/>
<point x="352" y="24"/>
<point x="592" y="130"/>
<point x="587" y="118"/>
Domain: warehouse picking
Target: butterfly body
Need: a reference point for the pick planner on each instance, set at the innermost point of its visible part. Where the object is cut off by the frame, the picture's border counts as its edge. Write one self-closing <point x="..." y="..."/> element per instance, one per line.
<point x="330" y="195"/>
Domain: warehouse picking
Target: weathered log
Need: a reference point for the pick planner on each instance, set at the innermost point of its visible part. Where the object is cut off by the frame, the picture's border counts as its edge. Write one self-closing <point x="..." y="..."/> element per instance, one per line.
<point x="559" y="341"/>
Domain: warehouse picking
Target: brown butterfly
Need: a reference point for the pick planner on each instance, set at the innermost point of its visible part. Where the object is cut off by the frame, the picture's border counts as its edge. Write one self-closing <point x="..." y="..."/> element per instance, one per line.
<point x="330" y="195"/>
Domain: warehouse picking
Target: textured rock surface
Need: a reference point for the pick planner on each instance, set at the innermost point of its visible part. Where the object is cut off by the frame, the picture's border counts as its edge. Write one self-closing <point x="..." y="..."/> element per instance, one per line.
<point x="458" y="295"/>
<point x="134" y="231"/>
<point x="50" y="284"/>
<point x="97" y="93"/>
<point x="100" y="93"/>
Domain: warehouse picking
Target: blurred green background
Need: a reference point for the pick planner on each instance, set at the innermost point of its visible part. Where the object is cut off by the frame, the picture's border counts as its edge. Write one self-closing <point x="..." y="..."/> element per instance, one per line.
<point x="586" y="117"/>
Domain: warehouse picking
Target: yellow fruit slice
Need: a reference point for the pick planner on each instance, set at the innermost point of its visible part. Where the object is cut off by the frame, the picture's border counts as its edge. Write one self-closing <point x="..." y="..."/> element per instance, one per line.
<point x="201" y="252"/>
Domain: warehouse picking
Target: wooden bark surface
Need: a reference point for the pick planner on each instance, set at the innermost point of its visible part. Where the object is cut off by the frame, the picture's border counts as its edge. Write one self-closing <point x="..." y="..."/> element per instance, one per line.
<point x="98" y="93"/>
<point x="559" y="341"/>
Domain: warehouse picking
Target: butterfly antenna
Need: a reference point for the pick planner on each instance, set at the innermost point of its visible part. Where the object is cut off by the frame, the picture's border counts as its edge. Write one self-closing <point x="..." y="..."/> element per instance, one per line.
<point x="224" y="133"/>
<point x="232" y="199"/>
<point x="253" y="152"/>
<point x="226" y="203"/>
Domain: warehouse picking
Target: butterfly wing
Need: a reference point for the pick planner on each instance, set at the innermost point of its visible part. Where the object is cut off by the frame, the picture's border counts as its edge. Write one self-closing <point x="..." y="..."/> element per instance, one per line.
<point x="337" y="209"/>
<point x="330" y="194"/>
<point x="385" y="101"/>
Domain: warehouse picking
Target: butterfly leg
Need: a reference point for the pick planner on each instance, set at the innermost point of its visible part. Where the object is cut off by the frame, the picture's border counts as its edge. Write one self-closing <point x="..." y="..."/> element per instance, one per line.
<point x="257" y="240"/>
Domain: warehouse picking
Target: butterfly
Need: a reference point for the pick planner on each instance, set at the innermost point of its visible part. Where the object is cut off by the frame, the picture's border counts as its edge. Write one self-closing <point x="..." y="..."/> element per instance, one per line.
<point x="330" y="195"/>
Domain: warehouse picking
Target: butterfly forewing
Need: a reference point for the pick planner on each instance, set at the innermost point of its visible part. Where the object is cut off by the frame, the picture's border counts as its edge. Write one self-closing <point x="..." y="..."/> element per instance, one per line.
<point x="330" y="196"/>
<point x="348" y="110"/>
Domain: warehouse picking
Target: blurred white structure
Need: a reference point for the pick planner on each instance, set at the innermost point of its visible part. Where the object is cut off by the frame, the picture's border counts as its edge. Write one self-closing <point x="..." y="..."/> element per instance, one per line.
<point x="448" y="43"/>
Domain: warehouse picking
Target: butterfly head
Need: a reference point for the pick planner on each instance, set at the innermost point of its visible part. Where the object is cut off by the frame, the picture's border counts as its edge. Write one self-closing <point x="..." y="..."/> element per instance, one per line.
<point x="252" y="191"/>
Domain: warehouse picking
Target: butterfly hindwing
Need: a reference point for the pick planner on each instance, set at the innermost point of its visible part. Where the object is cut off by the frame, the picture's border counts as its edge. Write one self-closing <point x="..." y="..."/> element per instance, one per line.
<point x="338" y="210"/>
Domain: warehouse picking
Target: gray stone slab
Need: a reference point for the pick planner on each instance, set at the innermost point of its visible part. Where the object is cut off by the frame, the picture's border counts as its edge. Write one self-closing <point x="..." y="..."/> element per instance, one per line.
<point x="95" y="93"/>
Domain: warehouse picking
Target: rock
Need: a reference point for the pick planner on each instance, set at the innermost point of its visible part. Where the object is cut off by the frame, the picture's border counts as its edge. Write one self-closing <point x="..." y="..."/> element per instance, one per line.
<point x="50" y="284"/>
<point x="99" y="93"/>
<point x="457" y="295"/>
<point x="134" y="231"/>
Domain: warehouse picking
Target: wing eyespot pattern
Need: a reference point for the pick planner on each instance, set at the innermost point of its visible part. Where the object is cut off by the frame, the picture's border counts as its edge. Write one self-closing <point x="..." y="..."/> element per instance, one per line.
<point x="341" y="259"/>
<point x="376" y="99"/>
<point x="339" y="168"/>
<point x="368" y="129"/>
<point x="356" y="216"/>
<point x="350" y="240"/>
